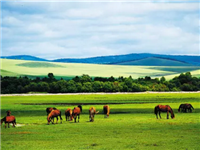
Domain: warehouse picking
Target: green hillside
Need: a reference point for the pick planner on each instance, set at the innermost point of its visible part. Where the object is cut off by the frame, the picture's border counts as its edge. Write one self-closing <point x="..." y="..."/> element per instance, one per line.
<point x="152" y="61"/>
<point x="69" y="70"/>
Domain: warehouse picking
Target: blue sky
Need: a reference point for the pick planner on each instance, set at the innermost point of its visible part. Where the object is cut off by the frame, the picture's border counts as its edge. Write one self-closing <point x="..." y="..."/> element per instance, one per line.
<point x="86" y="29"/>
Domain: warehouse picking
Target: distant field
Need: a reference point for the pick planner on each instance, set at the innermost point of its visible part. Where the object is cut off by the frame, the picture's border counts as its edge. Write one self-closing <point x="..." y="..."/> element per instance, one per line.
<point x="132" y="123"/>
<point x="69" y="70"/>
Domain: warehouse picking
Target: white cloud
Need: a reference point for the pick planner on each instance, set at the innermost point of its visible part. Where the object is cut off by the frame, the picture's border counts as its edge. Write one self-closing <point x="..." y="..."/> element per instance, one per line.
<point x="54" y="30"/>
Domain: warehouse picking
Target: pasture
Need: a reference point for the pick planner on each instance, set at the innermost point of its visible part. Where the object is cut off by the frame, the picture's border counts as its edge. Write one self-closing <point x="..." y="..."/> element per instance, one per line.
<point x="132" y="123"/>
<point x="69" y="70"/>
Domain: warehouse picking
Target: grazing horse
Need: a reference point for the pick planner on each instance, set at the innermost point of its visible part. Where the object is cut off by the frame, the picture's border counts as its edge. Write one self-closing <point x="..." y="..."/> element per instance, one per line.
<point x="8" y="120"/>
<point x="49" y="109"/>
<point x="185" y="107"/>
<point x="68" y="114"/>
<point x="106" y="111"/>
<point x="164" y="108"/>
<point x="92" y="112"/>
<point x="76" y="112"/>
<point x="52" y="114"/>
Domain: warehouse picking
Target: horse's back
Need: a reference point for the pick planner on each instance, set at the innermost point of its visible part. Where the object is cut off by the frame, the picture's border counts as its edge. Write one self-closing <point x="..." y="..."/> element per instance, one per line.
<point x="10" y="119"/>
<point x="106" y="109"/>
<point x="76" y="110"/>
<point x="68" y="111"/>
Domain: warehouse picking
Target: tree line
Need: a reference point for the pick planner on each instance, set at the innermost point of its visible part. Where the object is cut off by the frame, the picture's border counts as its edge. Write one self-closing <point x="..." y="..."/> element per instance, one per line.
<point x="85" y="83"/>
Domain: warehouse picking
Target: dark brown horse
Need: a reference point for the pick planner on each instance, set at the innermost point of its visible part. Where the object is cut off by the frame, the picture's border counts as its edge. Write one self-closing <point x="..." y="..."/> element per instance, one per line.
<point x="76" y="112"/>
<point x="185" y="107"/>
<point x="52" y="114"/>
<point x="49" y="109"/>
<point x="92" y="112"/>
<point x="68" y="114"/>
<point x="106" y="111"/>
<point x="164" y="108"/>
<point x="8" y="120"/>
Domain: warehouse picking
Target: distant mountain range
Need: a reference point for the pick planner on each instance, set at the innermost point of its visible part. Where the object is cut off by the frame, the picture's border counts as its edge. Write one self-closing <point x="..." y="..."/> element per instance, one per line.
<point x="142" y="59"/>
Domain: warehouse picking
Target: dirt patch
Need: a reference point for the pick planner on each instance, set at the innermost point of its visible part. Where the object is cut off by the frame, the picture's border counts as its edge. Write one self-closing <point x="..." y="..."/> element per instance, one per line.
<point x="19" y="125"/>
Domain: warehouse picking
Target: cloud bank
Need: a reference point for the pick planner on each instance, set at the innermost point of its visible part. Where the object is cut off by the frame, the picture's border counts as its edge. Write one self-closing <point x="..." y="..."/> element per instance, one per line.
<point x="85" y="29"/>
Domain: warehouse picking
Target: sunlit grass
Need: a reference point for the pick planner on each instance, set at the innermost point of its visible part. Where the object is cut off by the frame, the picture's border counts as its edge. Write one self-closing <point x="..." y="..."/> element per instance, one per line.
<point x="130" y="126"/>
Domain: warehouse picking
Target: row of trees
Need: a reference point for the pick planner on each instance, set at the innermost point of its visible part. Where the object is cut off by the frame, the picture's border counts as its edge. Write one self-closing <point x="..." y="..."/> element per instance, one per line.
<point x="84" y="83"/>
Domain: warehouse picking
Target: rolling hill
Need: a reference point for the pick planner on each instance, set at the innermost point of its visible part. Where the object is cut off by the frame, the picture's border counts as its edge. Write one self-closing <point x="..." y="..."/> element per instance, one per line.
<point x="34" y="69"/>
<point x="24" y="57"/>
<point x="153" y="61"/>
<point x="129" y="59"/>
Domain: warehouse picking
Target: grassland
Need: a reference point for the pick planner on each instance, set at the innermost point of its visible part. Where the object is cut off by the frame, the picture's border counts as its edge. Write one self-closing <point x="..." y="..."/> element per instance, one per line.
<point x="131" y="125"/>
<point x="70" y="70"/>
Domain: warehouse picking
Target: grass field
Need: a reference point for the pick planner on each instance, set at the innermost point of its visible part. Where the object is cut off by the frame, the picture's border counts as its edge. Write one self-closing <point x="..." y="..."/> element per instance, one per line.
<point x="131" y="125"/>
<point x="70" y="70"/>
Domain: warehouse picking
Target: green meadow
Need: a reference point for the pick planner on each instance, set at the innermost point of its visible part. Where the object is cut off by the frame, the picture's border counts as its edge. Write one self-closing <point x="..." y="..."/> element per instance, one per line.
<point x="132" y="123"/>
<point x="70" y="70"/>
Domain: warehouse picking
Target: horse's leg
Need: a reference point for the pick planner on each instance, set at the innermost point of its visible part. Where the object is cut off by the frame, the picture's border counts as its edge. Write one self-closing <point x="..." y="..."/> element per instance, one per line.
<point x="57" y="120"/>
<point x="60" y="119"/>
<point x="5" y="125"/>
<point x="78" y="117"/>
<point x="167" y="114"/>
<point x="8" y="125"/>
<point x="159" y="114"/>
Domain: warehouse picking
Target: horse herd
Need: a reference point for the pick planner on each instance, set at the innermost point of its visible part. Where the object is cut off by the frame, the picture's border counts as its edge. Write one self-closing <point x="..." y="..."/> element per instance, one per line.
<point x="73" y="114"/>
<point x="70" y="114"/>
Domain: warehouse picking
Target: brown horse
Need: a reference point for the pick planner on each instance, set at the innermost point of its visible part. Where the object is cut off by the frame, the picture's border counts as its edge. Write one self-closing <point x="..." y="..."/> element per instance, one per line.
<point x="106" y="110"/>
<point x="8" y="120"/>
<point x="52" y="114"/>
<point x="68" y="114"/>
<point x="164" y="108"/>
<point x="76" y="112"/>
<point x="185" y="107"/>
<point x="49" y="109"/>
<point x="92" y="112"/>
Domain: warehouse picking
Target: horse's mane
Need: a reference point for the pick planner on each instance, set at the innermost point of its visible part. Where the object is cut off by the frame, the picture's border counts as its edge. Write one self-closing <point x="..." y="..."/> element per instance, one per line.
<point x="80" y="107"/>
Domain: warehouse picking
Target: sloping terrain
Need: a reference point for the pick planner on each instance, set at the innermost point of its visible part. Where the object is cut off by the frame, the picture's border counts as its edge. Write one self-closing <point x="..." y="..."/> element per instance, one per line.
<point x="117" y="59"/>
<point x="153" y="61"/>
<point x="70" y="70"/>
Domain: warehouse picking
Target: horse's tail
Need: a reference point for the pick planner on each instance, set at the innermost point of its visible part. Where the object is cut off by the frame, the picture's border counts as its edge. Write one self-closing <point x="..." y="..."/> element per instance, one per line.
<point x="15" y="121"/>
<point x="80" y="107"/>
<point x="156" y="110"/>
<point x="105" y="110"/>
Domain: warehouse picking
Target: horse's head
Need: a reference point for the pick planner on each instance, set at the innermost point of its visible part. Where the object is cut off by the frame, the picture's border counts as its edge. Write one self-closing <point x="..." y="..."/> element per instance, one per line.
<point x="8" y="113"/>
<point x="172" y="115"/>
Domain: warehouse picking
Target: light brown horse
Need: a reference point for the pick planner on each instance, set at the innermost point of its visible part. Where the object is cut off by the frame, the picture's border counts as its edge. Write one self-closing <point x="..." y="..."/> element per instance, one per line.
<point x="8" y="120"/>
<point x="68" y="114"/>
<point x="185" y="107"/>
<point x="76" y="112"/>
<point x="106" y="111"/>
<point x="92" y="112"/>
<point x="52" y="114"/>
<point x="164" y="108"/>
